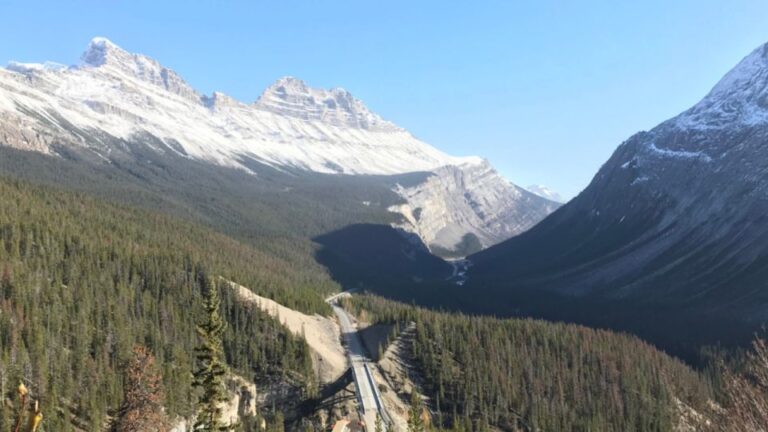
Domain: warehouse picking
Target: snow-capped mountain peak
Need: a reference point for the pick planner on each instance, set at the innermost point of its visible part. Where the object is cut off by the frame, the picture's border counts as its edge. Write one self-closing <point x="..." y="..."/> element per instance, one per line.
<point x="545" y="192"/>
<point x="101" y="50"/>
<point x="671" y="230"/>
<point x="739" y="98"/>
<point x="135" y="99"/>
<point x="750" y="73"/>
<point x="110" y="58"/>
<point x="124" y="95"/>
<point x="293" y="97"/>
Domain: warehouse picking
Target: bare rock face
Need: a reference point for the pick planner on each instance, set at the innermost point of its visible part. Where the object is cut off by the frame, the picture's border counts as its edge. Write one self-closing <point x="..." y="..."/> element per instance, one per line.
<point x="469" y="199"/>
<point x="115" y="96"/>
<point x="16" y="132"/>
<point x="241" y="404"/>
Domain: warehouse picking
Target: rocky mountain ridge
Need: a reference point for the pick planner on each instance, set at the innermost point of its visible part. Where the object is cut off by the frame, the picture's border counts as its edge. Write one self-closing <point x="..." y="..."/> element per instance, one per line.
<point x="114" y="95"/>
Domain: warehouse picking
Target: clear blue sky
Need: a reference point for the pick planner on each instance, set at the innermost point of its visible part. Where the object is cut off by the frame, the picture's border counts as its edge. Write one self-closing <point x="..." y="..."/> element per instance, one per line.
<point x="545" y="90"/>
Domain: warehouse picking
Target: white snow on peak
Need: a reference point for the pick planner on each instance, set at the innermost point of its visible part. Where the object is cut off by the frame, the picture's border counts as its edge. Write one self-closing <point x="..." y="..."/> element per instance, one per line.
<point x="99" y="50"/>
<point x="545" y="192"/>
<point x="219" y="100"/>
<point x="739" y="98"/>
<point x="678" y="154"/>
<point x="293" y="97"/>
<point x="124" y="94"/>
<point x="749" y="72"/>
<point x="110" y="58"/>
<point x="27" y="68"/>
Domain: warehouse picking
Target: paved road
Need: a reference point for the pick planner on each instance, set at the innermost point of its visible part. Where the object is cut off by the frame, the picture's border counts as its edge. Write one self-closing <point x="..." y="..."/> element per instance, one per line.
<point x="367" y="393"/>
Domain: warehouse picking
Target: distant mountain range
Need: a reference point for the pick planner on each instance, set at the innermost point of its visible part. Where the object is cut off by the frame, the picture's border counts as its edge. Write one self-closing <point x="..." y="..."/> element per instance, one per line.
<point x="113" y="100"/>
<point x="546" y="192"/>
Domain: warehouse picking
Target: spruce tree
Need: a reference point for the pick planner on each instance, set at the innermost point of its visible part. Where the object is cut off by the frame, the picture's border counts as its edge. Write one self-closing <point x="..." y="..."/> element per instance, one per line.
<point x="278" y="422"/>
<point x="415" y="420"/>
<point x="211" y="367"/>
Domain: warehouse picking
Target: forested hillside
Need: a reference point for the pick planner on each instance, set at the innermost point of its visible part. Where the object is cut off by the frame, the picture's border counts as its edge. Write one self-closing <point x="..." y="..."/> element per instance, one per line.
<point x="82" y="281"/>
<point x="275" y="210"/>
<point x="523" y="374"/>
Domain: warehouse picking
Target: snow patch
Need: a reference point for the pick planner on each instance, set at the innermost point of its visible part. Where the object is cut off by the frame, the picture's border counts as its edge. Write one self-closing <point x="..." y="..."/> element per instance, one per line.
<point x="679" y="154"/>
<point x="27" y="68"/>
<point x="545" y="192"/>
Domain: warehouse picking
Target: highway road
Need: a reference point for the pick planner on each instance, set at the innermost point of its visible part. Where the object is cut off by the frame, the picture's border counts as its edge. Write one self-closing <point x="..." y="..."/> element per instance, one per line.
<point x="368" y="395"/>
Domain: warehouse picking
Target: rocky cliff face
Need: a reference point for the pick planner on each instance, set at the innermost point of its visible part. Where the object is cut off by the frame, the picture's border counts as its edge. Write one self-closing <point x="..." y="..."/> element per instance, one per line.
<point x="117" y="96"/>
<point x="470" y="199"/>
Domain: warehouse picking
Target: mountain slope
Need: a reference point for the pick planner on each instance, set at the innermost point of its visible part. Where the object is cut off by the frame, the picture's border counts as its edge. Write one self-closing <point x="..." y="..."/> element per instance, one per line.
<point x="82" y="281"/>
<point x="670" y="239"/>
<point x="118" y="97"/>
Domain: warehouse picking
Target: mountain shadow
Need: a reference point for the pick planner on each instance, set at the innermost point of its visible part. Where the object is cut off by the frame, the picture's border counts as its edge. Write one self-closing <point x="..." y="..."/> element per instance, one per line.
<point x="383" y="260"/>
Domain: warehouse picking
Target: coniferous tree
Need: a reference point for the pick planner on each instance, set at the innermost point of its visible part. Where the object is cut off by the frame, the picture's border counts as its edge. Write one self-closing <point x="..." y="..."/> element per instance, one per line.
<point x="278" y="422"/>
<point x="415" y="413"/>
<point x="513" y="374"/>
<point x="142" y="408"/>
<point x="211" y="367"/>
<point x="82" y="282"/>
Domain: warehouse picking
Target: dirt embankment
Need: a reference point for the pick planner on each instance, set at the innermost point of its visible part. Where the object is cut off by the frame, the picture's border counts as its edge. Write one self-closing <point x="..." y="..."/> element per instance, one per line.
<point x="321" y="333"/>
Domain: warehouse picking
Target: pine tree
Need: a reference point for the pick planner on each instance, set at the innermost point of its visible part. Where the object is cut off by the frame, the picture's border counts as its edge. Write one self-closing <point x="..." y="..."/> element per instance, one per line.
<point x="278" y="422"/>
<point x="142" y="408"/>
<point x="415" y="420"/>
<point x="6" y="284"/>
<point x="210" y="357"/>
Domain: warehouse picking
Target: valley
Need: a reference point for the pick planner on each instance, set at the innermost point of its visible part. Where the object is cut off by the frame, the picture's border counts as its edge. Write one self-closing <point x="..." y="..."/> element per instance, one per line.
<point x="328" y="270"/>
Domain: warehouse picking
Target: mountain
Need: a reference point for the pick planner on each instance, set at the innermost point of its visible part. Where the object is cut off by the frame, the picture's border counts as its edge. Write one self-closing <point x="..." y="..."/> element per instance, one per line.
<point x="670" y="239"/>
<point x="113" y="100"/>
<point x="545" y="192"/>
<point x="468" y="204"/>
